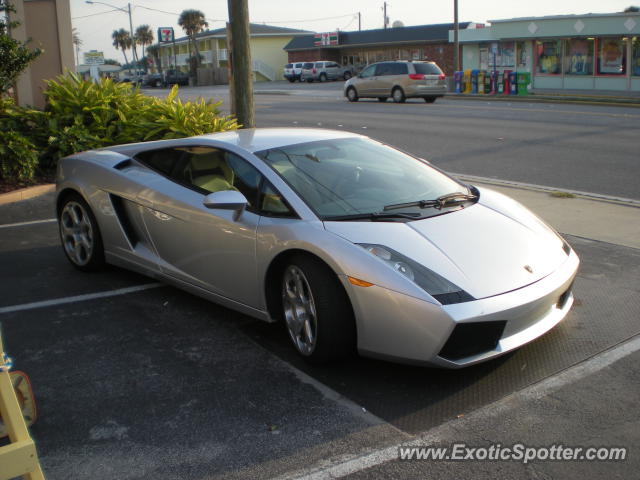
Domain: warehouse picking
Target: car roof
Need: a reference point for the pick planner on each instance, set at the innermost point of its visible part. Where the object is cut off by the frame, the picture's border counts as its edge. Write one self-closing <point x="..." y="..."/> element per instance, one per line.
<point x="257" y="139"/>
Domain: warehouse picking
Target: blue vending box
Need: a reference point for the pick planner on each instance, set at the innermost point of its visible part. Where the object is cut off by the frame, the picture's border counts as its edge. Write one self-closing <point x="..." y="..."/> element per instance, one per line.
<point x="457" y="81"/>
<point x="474" y="81"/>
<point x="513" y="83"/>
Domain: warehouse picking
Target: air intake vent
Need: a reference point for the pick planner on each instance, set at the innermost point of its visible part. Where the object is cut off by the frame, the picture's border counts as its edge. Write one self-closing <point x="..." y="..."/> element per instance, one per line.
<point x="123" y="164"/>
<point x="469" y="339"/>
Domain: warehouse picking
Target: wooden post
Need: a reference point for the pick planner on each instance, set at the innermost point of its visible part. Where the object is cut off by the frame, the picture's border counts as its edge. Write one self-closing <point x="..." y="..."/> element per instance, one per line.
<point x="242" y="74"/>
<point x="232" y="108"/>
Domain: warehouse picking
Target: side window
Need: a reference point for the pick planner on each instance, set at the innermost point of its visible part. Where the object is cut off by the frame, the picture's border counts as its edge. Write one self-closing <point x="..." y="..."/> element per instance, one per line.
<point x="398" y="69"/>
<point x="272" y="203"/>
<point x="382" y="69"/>
<point x="165" y="161"/>
<point x="368" y="72"/>
<point x="319" y="64"/>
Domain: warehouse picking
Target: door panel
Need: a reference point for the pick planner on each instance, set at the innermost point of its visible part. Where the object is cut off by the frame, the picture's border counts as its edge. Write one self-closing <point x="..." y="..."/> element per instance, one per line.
<point x="203" y="247"/>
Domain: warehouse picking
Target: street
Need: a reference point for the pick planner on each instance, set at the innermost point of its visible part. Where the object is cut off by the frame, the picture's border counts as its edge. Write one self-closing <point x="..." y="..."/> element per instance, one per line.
<point x="143" y="381"/>
<point x="571" y="147"/>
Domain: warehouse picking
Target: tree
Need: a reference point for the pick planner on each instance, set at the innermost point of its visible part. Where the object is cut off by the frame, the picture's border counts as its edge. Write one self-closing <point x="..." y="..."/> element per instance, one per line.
<point x="76" y="42"/>
<point x="111" y="61"/>
<point x="122" y="41"/>
<point x="193" y="22"/>
<point x="631" y="9"/>
<point x="144" y="37"/>
<point x="154" y="52"/>
<point x="15" y="56"/>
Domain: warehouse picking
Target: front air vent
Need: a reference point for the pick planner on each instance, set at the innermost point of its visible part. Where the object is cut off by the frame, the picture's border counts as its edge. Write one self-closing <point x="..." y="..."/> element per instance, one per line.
<point x="472" y="338"/>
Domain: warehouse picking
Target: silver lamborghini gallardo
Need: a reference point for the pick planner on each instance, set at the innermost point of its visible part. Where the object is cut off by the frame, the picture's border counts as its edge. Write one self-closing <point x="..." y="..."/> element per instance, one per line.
<point x="355" y="245"/>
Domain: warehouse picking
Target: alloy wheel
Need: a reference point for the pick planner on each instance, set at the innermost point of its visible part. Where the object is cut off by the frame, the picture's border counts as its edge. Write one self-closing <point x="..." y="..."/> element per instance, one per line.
<point x="76" y="233"/>
<point x="299" y="310"/>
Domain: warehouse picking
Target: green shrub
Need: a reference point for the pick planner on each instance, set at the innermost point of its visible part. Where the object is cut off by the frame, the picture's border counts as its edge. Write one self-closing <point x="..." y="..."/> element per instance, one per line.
<point x="82" y="115"/>
<point x="18" y="157"/>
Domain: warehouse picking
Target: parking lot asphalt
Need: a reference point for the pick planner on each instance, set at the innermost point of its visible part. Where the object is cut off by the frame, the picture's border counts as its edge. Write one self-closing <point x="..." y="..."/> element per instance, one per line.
<point x="160" y="384"/>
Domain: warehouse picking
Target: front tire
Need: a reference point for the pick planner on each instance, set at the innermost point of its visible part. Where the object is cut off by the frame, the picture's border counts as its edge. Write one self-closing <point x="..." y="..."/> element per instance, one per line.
<point x="352" y="95"/>
<point x="398" y="95"/>
<point x="317" y="312"/>
<point x="80" y="234"/>
<point x="323" y="77"/>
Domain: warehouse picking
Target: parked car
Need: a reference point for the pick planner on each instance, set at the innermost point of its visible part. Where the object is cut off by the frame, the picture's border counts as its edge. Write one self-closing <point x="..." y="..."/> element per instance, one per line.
<point x="351" y="243"/>
<point x="323" y="71"/>
<point x="172" y="77"/>
<point x="292" y="71"/>
<point x="152" y="80"/>
<point x="399" y="80"/>
<point x="135" y="78"/>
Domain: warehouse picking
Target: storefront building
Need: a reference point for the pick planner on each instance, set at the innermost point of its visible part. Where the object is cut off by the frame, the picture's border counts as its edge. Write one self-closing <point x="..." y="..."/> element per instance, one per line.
<point x="359" y="48"/>
<point x="570" y="52"/>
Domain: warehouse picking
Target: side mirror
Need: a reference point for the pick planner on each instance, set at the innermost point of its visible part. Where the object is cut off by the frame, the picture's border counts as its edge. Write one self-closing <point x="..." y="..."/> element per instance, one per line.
<point x="227" y="200"/>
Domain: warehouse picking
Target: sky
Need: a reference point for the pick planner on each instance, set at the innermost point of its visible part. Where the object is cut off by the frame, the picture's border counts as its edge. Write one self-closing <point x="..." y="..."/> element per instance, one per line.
<point x="95" y="23"/>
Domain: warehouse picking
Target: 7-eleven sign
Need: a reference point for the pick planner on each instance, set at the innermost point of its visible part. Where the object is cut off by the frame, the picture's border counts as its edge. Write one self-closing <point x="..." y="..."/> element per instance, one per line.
<point x="165" y="34"/>
<point x="325" y="39"/>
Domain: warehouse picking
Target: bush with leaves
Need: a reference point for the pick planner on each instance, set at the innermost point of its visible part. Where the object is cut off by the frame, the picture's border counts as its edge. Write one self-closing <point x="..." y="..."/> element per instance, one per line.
<point x="83" y="115"/>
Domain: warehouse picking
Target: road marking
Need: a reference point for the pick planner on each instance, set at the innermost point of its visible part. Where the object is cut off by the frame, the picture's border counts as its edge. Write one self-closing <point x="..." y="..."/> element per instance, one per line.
<point x="79" y="298"/>
<point x="542" y="110"/>
<point x="24" y="224"/>
<point x="538" y="390"/>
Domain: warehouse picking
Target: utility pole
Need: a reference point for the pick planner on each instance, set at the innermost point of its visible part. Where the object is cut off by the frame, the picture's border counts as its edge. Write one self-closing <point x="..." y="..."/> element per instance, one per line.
<point x="386" y="19"/>
<point x="456" y="41"/>
<point x="133" y="40"/>
<point x="359" y="21"/>
<point x="242" y="70"/>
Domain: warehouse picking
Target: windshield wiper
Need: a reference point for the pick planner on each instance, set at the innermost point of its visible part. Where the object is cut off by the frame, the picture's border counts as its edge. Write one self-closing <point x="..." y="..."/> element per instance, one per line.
<point x="448" y="200"/>
<point x="373" y="216"/>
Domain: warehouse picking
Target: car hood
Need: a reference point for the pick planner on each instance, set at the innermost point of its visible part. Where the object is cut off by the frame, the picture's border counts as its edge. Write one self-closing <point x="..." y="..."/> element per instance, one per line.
<point x="488" y="248"/>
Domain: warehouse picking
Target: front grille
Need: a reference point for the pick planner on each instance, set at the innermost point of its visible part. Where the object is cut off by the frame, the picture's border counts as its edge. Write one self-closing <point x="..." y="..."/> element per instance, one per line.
<point x="469" y="339"/>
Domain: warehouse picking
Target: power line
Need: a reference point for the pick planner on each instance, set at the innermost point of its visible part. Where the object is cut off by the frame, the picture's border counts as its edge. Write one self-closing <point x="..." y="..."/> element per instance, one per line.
<point x="94" y="14"/>
<point x="312" y="20"/>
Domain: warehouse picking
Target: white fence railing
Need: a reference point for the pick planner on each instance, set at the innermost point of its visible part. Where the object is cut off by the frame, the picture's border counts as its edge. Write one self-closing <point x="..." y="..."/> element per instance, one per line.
<point x="264" y="69"/>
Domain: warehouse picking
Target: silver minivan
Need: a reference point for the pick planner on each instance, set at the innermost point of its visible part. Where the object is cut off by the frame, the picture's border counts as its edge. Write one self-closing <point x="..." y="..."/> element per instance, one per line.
<point x="399" y="80"/>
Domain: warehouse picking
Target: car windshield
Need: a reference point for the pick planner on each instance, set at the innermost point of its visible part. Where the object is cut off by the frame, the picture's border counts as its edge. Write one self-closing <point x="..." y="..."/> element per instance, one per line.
<point x="427" y="68"/>
<point x="355" y="176"/>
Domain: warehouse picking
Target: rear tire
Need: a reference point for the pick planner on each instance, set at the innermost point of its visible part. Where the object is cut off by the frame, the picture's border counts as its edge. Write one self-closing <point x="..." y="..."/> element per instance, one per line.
<point x="430" y="99"/>
<point x="347" y="75"/>
<point x="317" y="312"/>
<point x="323" y="77"/>
<point x="80" y="234"/>
<point x="398" y="95"/>
<point x="352" y="95"/>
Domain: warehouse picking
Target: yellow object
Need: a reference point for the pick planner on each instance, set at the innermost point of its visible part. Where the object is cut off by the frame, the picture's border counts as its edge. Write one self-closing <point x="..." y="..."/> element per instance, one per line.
<point x="18" y="458"/>
<point x="359" y="283"/>
<point x="466" y="81"/>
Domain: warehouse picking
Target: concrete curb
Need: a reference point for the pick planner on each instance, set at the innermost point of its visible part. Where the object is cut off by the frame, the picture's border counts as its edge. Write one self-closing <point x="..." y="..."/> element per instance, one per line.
<point x="26" y="193"/>
<point x="538" y="98"/>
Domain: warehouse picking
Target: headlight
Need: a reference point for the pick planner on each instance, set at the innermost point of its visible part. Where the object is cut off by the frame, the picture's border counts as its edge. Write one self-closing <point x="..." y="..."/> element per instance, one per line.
<point x="435" y="285"/>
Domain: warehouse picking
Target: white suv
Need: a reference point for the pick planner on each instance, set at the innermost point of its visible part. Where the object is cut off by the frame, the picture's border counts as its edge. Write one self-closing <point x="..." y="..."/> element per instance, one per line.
<point x="292" y="71"/>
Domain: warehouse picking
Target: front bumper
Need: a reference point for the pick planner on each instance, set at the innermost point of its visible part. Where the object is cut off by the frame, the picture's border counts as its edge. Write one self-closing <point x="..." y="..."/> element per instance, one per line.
<point x="398" y="327"/>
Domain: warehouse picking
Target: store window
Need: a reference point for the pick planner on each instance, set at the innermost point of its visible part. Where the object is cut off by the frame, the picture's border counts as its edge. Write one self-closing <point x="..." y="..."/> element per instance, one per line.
<point x="635" y="57"/>
<point x="522" y="56"/>
<point x="507" y="54"/>
<point x="548" y="57"/>
<point x="612" y="53"/>
<point x="578" y="59"/>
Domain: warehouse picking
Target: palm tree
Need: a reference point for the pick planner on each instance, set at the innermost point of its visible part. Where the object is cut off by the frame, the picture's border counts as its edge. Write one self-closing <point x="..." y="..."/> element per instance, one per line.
<point x="122" y="40"/>
<point x="143" y="37"/>
<point x="193" y="22"/>
<point x="76" y="42"/>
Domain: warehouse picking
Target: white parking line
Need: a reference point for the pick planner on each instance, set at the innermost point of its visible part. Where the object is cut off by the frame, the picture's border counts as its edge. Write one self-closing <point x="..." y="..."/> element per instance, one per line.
<point x="79" y="298"/>
<point x="538" y="390"/>
<point x="25" y="224"/>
